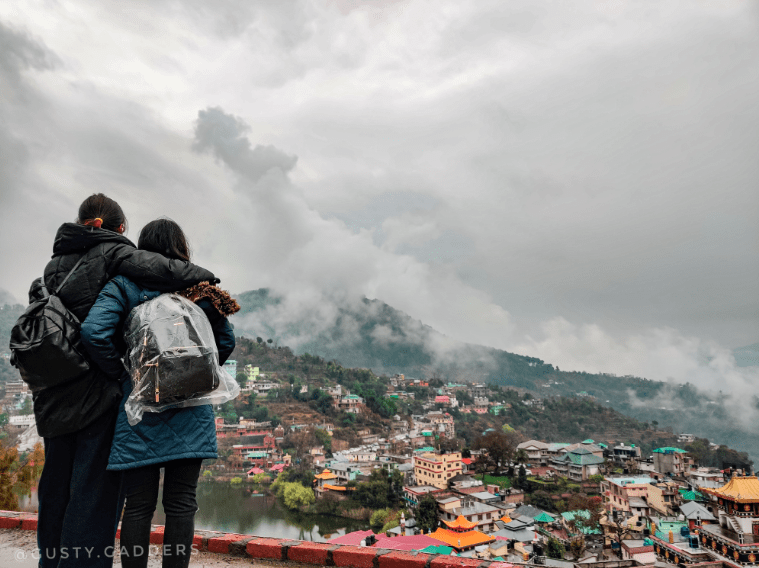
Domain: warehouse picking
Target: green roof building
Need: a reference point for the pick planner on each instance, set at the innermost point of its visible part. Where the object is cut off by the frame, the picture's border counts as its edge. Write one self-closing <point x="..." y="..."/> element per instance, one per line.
<point x="577" y="464"/>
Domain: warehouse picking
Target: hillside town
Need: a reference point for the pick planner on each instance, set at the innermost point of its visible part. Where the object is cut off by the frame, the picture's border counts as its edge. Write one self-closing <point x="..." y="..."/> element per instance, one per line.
<point x="425" y="482"/>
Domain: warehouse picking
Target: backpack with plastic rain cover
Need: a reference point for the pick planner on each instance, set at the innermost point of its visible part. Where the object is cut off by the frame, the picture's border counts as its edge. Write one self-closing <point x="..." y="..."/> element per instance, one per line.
<point x="172" y="358"/>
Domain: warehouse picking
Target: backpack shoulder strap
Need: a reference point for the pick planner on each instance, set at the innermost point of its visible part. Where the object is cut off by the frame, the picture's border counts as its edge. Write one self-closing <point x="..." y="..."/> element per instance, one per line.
<point x="78" y="262"/>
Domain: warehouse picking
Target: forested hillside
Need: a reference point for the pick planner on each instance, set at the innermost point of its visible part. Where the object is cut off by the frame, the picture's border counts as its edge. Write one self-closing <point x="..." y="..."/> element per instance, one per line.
<point x="381" y="338"/>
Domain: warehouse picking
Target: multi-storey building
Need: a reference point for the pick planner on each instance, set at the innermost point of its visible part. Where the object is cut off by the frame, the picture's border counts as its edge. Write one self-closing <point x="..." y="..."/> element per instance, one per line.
<point x="672" y="460"/>
<point x="22" y="422"/>
<point x="618" y="491"/>
<point x="478" y="390"/>
<point x="436" y="469"/>
<point x="438" y="418"/>
<point x="537" y="451"/>
<point x="577" y="464"/>
<point x="16" y="388"/>
<point x="478" y="516"/>
<point x="350" y="403"/>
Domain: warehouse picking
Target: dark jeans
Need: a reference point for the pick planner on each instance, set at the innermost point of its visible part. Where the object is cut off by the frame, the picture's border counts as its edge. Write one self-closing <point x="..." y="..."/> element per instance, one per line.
<point x="78" y="498"/>
<point x="180" y="483"/>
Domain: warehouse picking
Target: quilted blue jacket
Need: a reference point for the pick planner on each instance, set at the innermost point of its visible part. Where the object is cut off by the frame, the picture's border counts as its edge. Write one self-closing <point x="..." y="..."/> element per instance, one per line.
<point x="159" y="437"/>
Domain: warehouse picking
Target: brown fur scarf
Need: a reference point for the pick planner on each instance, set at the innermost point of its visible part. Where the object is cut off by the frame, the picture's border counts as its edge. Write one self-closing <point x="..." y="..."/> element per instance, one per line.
<point x="221" y="299"/>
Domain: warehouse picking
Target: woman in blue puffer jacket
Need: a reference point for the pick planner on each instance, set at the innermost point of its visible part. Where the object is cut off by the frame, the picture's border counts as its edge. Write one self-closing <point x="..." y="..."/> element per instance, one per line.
<point x="177" y="439"/>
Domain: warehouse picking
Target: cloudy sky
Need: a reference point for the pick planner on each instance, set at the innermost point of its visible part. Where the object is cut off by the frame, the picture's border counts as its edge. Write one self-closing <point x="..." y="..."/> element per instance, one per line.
<point x="575" y="181"/>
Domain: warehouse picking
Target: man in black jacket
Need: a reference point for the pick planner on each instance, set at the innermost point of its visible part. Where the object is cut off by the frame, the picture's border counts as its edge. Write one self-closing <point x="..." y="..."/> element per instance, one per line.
<point x="78" y="499"/>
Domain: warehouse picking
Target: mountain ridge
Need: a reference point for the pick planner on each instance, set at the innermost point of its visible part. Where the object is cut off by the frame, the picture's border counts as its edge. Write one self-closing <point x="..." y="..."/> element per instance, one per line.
<point x="374" y="335"/>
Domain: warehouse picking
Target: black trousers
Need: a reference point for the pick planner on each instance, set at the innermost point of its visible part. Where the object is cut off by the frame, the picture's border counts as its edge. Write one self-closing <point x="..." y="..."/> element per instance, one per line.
<point x="78" y="498"/>
<point x="180" y="483"/>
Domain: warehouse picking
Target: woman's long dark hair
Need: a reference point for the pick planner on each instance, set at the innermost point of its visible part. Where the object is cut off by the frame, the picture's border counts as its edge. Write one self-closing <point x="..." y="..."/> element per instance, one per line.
<point x="165" y="237"/>
<point x="101" y="212"/>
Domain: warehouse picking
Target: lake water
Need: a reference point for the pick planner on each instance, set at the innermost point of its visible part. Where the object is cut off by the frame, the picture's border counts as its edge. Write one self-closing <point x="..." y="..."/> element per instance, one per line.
<point x="222" y="507"/>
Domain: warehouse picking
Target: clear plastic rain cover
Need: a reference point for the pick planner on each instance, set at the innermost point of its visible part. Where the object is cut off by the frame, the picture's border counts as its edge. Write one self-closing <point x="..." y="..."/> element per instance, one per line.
<point x="172" y="358"/>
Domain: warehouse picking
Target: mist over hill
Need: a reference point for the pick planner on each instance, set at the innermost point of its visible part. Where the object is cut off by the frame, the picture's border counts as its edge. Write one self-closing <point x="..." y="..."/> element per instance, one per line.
<point x="374" y="335"/>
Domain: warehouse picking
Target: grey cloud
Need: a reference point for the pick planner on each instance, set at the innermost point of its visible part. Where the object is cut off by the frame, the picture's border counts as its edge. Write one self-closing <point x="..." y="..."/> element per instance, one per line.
<point x="561" y="163"/>
<point x="222" y="135"/>
<point x="19" y="51"/>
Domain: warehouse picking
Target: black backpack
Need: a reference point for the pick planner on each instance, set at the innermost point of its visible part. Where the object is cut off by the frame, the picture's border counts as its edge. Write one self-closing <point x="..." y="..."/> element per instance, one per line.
<point x="45" y="342"/>
<point x="172" y="354"/>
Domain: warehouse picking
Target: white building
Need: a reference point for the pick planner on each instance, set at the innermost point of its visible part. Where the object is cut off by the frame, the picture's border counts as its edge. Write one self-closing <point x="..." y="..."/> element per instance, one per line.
<point x="22" y="422"/>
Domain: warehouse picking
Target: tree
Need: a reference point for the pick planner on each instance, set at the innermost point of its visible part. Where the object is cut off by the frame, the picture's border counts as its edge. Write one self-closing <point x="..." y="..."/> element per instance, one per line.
<point x="426" y="514"/>
<point x="372" y="494"/>
<point x="324" y="439"/>
<point x="617" y="527"/>
<point x="449" y="445"/>
<point x="541" y="500"/>
<point x="577" y="502"/>
<point x="577" y="547"/>
<point x="521" y="481"/>
<point x="18" y="474"/>
<point x="302" y="441"/>
<point x="378" y="519"/>
<point x="296" y="496"/>
<point x="328" y="504"/>
<point x="395" y="490"/>
<point x="499" y="448"/>
<point x="242" y="379"/>
<point x="554" y="549"/>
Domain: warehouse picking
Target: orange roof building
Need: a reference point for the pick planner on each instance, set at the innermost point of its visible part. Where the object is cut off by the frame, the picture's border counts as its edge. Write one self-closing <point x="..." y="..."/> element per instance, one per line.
<point x="460" y="524"/>
<point x="326" y="474"/>
<point x="461" y="541"/>
<point x="321" y="482"/>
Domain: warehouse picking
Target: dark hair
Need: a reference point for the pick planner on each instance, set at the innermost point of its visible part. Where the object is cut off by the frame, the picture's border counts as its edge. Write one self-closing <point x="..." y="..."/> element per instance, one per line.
<point x="165" y="237"/>
<point x="98" y="206"/>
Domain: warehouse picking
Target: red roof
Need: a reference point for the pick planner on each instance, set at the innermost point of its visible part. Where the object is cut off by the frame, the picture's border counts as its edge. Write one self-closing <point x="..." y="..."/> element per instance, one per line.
<point x="467" y="461"/>
<point x="353" y="538"/>
<point x="413" y="542"/>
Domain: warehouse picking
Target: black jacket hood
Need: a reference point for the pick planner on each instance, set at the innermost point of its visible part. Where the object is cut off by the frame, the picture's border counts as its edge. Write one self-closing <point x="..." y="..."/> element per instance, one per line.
<point x="73" y="237"/>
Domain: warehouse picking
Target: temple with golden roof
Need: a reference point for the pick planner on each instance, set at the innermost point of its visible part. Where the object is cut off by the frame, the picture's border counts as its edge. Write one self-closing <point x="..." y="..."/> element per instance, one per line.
<point x="737" y="534"/>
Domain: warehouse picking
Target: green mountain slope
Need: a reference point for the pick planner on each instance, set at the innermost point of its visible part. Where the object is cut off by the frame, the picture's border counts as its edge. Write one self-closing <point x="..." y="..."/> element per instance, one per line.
<point x="374" y="335"/>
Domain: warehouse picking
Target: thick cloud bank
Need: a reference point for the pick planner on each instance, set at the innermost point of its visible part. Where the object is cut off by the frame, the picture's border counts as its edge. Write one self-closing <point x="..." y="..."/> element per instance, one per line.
<point x="574" y="182"/>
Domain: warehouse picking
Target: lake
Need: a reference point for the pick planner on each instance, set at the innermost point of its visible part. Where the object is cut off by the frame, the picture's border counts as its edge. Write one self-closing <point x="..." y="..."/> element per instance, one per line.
<point x="222" y="507"/>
